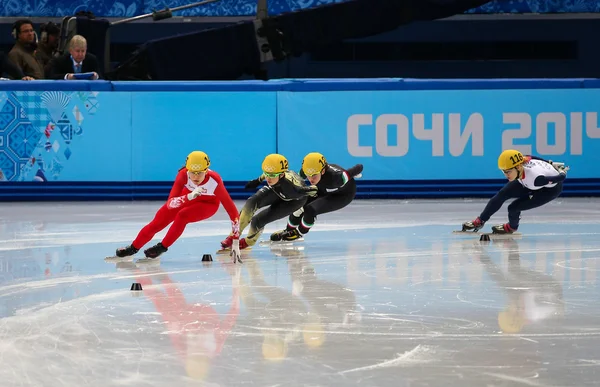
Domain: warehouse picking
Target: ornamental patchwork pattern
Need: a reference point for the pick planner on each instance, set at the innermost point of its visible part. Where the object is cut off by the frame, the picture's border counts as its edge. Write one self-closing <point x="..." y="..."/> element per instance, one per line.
<point x="39" y="132"/>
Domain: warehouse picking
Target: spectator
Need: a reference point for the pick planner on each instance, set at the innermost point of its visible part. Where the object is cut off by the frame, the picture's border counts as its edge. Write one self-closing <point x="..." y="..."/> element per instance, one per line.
<point x="9" y="68"/>
<point x="23" y="52"/>
<point x="50" y="34"/>
<point x="78" y="60"/>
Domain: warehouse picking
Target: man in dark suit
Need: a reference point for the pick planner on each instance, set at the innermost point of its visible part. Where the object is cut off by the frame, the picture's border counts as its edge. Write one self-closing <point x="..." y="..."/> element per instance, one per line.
<point x="77" y="61"/>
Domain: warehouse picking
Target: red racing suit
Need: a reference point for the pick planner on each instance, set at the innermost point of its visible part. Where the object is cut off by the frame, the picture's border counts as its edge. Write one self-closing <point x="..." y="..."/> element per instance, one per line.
<point x="181" y="211"/>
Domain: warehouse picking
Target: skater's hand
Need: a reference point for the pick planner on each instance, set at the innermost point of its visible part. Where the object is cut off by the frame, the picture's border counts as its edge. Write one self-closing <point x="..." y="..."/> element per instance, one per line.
<point x="235" y="251"/>
<point x="312" y="190"/>
<point x="562" y="169"/>
<point x="195" y="193"/>
<point x="252" y="184"/>
<point x="356" y="171"/>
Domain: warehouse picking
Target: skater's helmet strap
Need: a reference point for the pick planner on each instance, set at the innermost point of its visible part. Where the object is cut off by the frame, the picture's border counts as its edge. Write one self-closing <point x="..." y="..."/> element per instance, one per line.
<point x="274" y="164"/>
<point x="509" y="159"/>
<point x="313" y="164"/>
<point x="197" y="161"/>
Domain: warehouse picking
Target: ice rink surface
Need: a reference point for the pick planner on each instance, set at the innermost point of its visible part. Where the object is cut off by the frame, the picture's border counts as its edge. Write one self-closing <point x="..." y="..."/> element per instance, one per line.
<point x="380" y="293"/>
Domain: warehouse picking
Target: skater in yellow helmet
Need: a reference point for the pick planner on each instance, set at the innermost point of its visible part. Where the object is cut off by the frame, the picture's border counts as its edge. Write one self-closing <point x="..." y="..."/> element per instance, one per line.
<point x="336" y="189"/>
<point x="284" y="193"/>
<point x="195" y="195"/>
<point x="532" y="180"/>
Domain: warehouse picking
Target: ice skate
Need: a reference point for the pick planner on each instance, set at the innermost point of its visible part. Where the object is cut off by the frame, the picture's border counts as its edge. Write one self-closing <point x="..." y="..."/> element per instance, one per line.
<point x="286" y="237"/>
<point x="123" y="254"/>
<point x="276" y="236"/>
<point x="227" y="242"/>
<point x="473" y="226"/>
<point x="503" y="229"/>
<point x="291" y="235"/>
<point x="155" y="251"/>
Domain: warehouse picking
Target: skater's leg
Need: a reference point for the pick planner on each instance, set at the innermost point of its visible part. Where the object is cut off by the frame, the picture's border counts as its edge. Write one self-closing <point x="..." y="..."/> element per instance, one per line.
<point x="512" y="189"/>
<point x="264" y="197"/>
<point x="536" y="199"/>
<point x="277" y="210"/>
<point x="323" y="205"/>
<point x="163" y="217"/>
<point x="190" y="214"/>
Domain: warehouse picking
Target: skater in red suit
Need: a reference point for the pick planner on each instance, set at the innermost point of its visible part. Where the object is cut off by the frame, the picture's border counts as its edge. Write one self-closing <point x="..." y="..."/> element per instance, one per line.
<point x="195" y="196"/>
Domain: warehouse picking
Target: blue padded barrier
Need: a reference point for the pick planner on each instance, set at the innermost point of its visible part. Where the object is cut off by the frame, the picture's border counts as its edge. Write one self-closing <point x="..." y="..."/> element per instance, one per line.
<point x="84" y="191"/>
<point x="490" y="84"/>
<point x="47" y="85"/>
<point x="417" y="138"/>
<point x="204" y="86"/>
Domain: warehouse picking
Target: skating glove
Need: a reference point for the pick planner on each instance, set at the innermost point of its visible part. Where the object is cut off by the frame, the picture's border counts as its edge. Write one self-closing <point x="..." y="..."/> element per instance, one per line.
<point x="560" y="167"/>
<point x="356" y="171"/>
<point x="195" y="193"/>
<point x="252" y="184"/>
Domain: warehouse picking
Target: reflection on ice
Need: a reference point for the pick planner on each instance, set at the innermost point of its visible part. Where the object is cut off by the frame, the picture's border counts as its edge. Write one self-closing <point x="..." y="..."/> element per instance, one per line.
<point x="374" y="296"/>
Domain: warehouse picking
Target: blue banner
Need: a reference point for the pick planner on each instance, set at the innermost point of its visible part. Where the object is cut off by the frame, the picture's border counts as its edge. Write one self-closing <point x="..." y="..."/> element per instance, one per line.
<point x="131" y="136"/>
<point x="415" y="138"/>
<point x="129" y="8"/>
<point x="538" y="6"/>
<point x="236" y="129"/>
<point x="440" y="134"/>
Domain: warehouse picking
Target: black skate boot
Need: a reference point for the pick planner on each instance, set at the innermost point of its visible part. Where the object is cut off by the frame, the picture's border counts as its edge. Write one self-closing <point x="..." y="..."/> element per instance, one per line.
<point x="291" y="235"/>
<point x="503" y="229"/>
<point x="155" y="251"/>
<point x="276" y="236"/>
<point x="128" y="251"/>
<point x="474" y="225"/>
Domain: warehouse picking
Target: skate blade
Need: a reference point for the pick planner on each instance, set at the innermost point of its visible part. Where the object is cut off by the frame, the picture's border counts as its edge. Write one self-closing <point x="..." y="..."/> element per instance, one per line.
<point x="115" y="259"/>
<point x="268" y="243"/>
<point x="228" y="250"/>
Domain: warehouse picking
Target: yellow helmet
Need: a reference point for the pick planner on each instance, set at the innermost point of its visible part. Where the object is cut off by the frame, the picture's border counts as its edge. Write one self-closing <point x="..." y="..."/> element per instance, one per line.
<point x="510" y="158"/>
<point x="313" y="163"/>
<point x="275" y="163"/>
<point x="197" y="161"/>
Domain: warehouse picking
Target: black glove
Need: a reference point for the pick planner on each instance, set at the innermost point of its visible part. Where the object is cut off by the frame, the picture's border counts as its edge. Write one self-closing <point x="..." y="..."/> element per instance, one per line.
<point x="356" y="171"/>
<point x="252" y="184"/>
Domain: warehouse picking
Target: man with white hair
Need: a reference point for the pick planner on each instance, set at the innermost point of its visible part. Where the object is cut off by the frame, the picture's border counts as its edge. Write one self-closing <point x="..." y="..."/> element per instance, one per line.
<point x="77" y="61"/>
